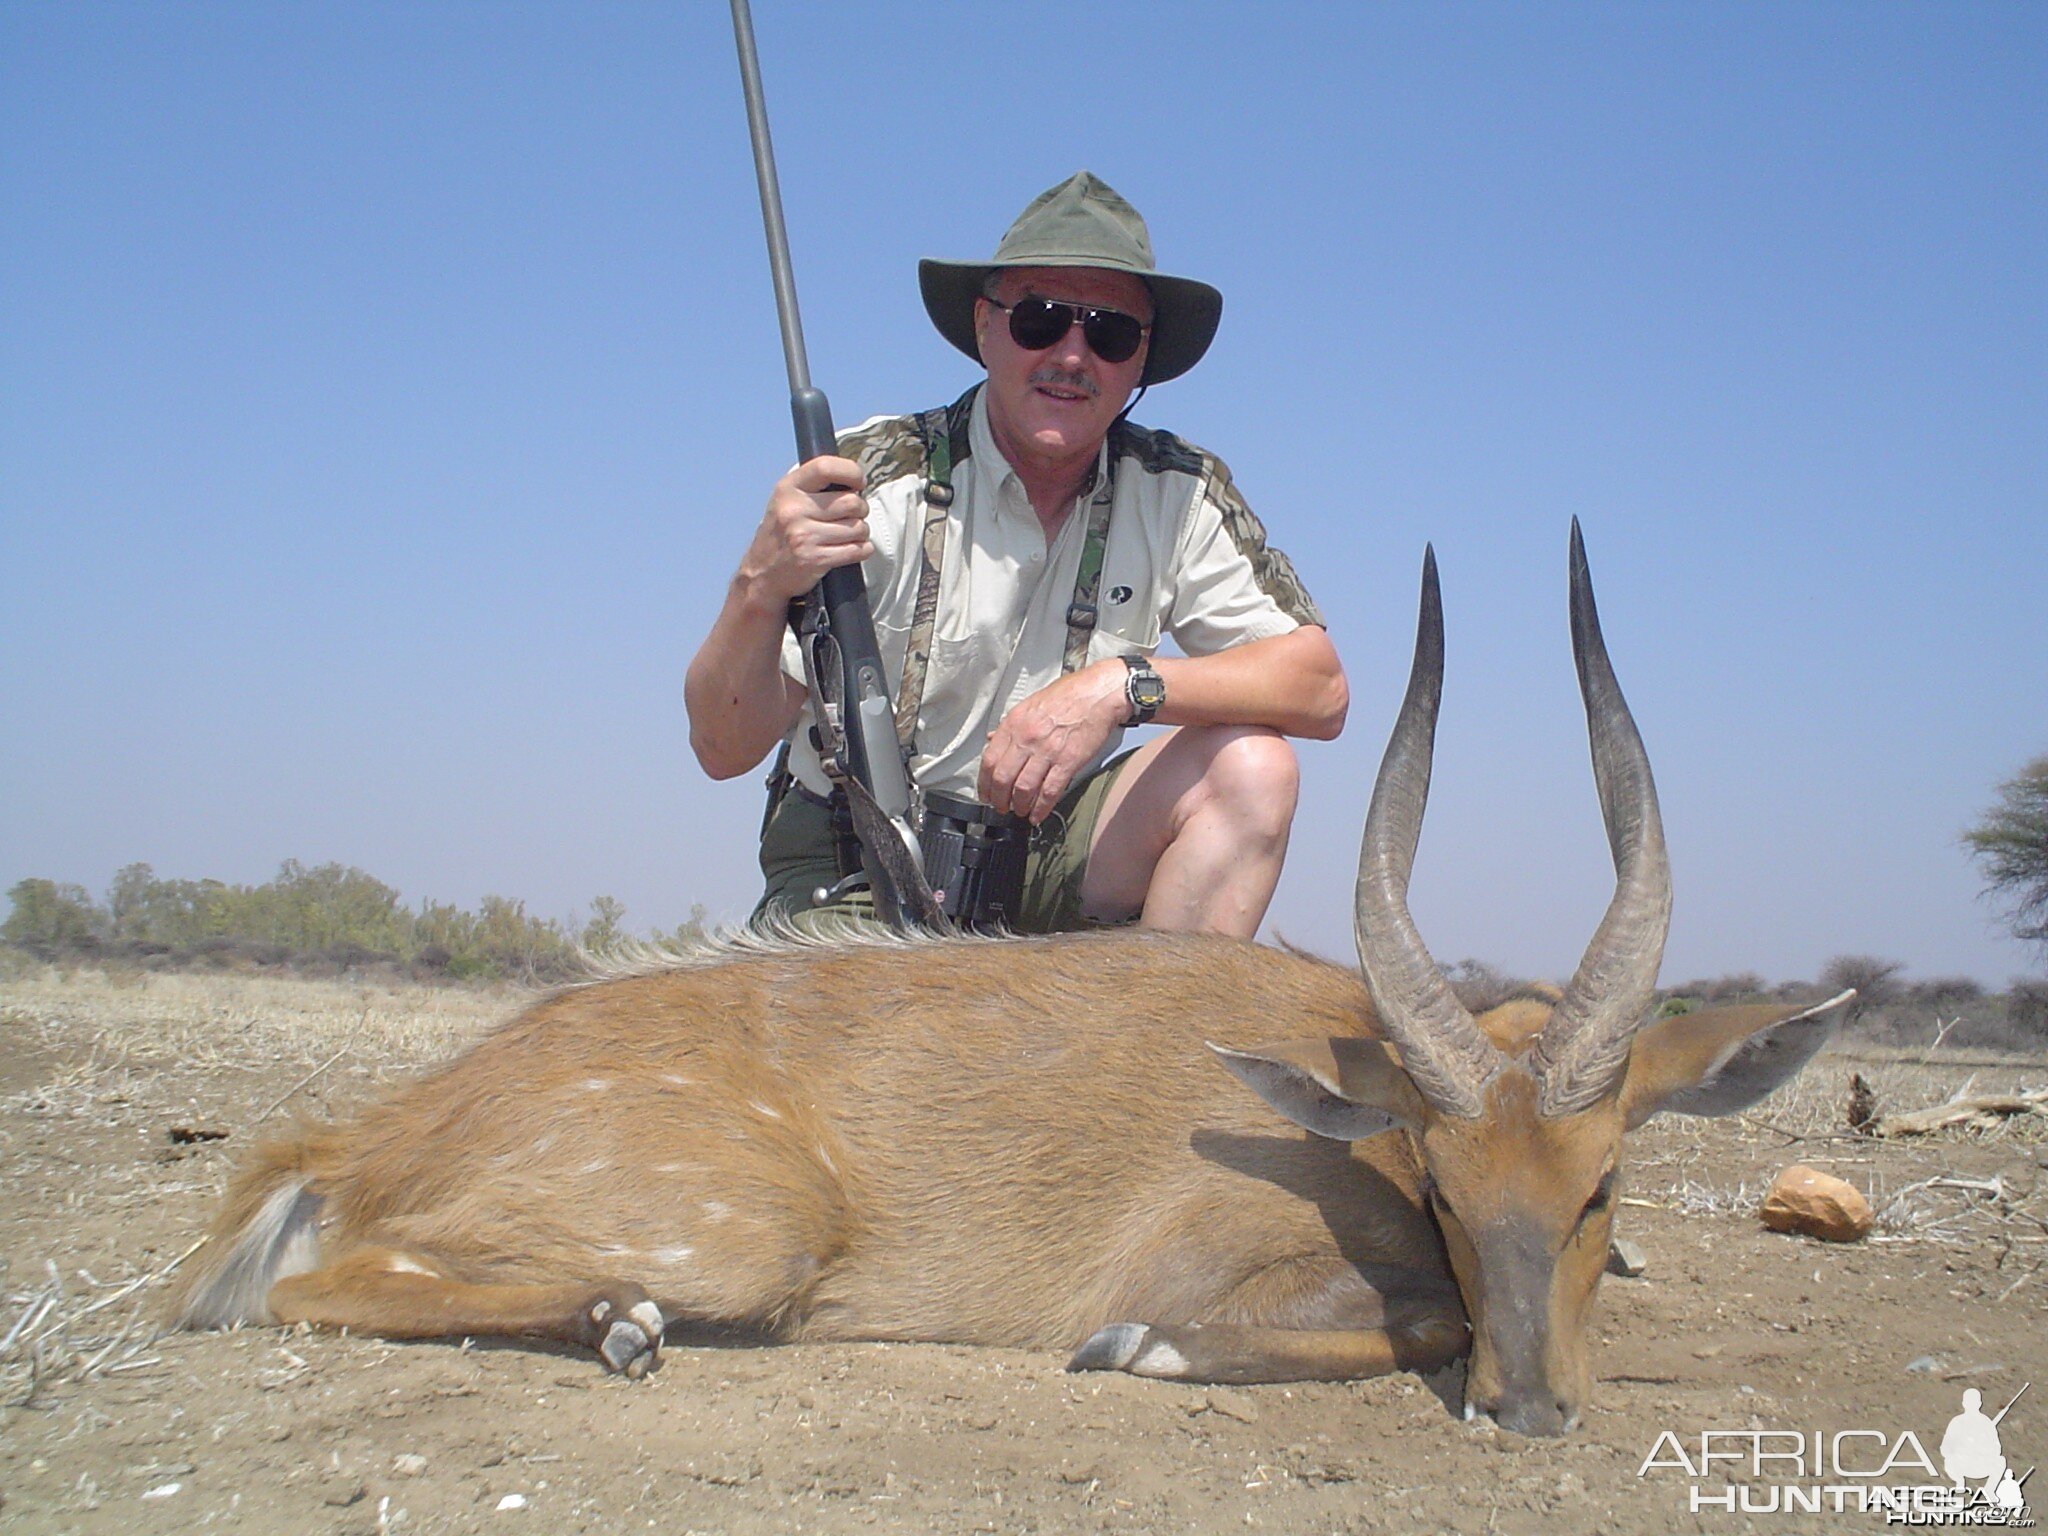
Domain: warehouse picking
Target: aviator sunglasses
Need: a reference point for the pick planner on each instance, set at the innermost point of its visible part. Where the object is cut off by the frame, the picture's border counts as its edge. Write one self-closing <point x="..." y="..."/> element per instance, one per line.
<point x="1036" y="324"/>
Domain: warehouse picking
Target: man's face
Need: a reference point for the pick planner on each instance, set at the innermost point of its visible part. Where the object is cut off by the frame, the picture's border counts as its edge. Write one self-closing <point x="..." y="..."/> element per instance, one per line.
<point x="1057" y="404"/>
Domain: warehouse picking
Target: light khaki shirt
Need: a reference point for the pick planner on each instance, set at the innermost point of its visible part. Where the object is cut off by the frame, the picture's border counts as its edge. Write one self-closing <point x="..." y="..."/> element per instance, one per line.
<point x="1185" y="557"/>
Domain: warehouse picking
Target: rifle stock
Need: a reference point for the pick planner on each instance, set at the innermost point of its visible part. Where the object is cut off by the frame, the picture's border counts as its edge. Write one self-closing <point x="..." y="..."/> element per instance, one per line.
<point x="844" y="594"/>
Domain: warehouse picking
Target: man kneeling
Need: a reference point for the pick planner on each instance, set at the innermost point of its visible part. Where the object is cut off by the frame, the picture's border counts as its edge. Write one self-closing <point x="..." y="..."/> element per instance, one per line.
<point x="1025" y="549"/>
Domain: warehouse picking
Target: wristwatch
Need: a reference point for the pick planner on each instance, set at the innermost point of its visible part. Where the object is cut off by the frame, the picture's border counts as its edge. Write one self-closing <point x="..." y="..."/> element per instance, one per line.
<point x="1144" y="689"/>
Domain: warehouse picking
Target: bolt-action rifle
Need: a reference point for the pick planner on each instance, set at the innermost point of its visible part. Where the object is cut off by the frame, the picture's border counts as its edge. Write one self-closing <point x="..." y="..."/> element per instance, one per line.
<point x="842" y="662"/>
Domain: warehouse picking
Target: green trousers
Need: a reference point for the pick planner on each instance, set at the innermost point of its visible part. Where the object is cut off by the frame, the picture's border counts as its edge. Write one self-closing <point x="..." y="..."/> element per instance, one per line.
<point x="799" y="856"/>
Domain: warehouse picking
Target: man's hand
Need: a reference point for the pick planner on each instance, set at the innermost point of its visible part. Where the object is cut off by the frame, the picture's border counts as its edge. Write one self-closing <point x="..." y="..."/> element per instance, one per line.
<point x="740" y="701"/>
<point x="1033" y="755"/>
<point x="816" y="521"/>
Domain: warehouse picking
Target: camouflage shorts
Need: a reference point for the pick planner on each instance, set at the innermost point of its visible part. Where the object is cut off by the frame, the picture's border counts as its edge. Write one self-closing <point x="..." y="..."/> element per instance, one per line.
<point x="797" y="858"/>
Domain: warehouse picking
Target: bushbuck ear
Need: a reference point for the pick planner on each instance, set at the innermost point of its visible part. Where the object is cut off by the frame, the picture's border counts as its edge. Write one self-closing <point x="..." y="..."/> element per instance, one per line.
<point x="1720" y="1060"/>
<point x="1342" y="1088"/>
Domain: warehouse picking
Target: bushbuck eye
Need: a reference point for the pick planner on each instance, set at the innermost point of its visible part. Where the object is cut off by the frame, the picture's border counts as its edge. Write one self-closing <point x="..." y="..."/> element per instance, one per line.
<point x="1601" y="1197"/>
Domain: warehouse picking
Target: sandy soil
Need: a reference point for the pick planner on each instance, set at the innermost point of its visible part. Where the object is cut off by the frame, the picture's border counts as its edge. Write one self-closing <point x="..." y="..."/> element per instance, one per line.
<point x="108" y="1428"/>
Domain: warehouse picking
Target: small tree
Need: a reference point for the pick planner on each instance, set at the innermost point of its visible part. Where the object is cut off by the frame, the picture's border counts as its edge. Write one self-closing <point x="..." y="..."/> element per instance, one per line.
<point x="1876" y="981"/>
<point x="1945" y="991"/>
<point x="607" y="925"/>
<point x="128" y="901"/>
<point x="2026" y="1005"/>
<point x="2011" y="844"/>
<point x="1479" y="985"/>
<point x="691" y="931"/>
<point x="49" y="918"/>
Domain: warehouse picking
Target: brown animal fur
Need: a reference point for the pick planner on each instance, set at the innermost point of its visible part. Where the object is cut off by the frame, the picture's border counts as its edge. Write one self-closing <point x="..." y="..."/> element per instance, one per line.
<point x="1015" y="1144"/>
<point x="978" y="1152"/>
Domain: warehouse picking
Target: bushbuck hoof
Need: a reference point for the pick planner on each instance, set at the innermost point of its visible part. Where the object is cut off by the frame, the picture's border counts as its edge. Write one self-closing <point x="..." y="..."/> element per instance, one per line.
<point x="1135" y="1347"/>
<point x="625" y="1329"/>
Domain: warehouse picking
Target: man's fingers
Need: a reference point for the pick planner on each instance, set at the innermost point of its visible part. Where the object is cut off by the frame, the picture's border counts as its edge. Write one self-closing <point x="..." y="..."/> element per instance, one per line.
<point x="1018" y="782"/>
<point x="825" y="473"/>
<point x="796" y="508"/>
<point x="822" y="536"/>
<point x="1024" y="788"/>
<point x="1058" y="780"/>
<point x="814" y="524"/>
<point x="836" y="555"/>
<point x="999" y="765"/>
<point x="825" y="535"/>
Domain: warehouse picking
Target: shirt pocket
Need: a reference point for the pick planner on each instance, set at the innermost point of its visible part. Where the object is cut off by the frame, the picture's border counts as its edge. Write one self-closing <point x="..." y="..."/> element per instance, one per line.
<point x="960" y="679"/>
<point x="1127" y="617"/>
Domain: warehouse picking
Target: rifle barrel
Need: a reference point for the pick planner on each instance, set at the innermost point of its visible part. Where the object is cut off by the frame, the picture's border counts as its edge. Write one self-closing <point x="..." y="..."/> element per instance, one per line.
<point x="793" y="354"/>
<point x="872" y="754"/>
<point x="2015" y="1398"/>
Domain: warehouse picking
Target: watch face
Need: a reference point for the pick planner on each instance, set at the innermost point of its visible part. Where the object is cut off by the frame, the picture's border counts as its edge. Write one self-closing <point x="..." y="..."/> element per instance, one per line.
<point x="1146" y="691"/>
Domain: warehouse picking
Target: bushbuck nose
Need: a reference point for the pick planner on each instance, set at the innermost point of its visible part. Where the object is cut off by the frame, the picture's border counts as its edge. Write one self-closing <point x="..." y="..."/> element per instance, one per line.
<point x="1538" y="1415"/>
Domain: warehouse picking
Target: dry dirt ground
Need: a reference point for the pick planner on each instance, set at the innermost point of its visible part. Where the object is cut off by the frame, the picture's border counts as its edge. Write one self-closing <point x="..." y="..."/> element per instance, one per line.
<point x="107" y="1427"/>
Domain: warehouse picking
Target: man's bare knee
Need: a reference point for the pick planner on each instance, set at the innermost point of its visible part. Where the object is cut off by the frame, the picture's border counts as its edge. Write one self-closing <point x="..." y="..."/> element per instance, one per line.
<point x="1254" y="777"/>
<point x="1195" y="838"/>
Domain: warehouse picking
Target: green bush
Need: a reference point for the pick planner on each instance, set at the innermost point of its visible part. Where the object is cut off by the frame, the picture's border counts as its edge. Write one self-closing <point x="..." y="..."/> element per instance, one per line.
<point x="329" y="917"/>
<point x="49" y="918"/>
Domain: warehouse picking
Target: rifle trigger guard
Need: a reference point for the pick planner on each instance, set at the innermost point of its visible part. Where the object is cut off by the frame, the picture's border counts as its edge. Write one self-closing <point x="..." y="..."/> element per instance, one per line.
<point x="825" y="895"/>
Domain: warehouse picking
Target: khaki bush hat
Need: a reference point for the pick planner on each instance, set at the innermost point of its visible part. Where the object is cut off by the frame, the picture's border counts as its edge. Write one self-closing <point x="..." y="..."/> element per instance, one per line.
<point x="1082" y="222"/>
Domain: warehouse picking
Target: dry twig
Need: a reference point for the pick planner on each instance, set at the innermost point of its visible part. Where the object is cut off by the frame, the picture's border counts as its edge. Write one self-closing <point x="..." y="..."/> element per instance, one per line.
<point x="1791" y="1136"/>
<point x="1941" y="1032"/>
<point x="287" y="1095"/>
<point x="1980" y="1112"/>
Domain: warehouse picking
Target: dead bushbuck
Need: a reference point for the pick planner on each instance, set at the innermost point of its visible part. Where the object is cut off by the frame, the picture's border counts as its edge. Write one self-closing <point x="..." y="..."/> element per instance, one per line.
<point x="1023" y="1142"/>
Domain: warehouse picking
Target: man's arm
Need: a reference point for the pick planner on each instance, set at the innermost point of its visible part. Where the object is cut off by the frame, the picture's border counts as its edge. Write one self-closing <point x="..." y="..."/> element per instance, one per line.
<point x="1292" y="683"/>
<point x="740" y="701"/>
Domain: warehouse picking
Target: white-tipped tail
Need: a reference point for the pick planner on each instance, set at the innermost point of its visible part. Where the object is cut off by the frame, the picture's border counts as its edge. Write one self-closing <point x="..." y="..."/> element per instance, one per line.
<point x="279" y="1240"/>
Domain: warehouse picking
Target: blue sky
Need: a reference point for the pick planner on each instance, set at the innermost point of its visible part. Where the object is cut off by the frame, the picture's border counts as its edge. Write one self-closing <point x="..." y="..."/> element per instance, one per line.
<point x="390" y="389"/>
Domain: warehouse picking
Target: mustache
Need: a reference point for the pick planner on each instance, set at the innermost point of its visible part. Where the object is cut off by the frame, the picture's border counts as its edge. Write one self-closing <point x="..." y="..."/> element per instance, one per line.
<point x="1066" y="379"/>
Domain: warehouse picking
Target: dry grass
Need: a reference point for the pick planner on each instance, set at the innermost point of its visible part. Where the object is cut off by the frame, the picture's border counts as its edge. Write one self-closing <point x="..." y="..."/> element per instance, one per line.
<point x="149" y="1039"/>
<point x="63" y="1334"/>
<point x="1815" y="1104"/>
<point x="1922" y="1196"/>
<point x="210" y="1019"/>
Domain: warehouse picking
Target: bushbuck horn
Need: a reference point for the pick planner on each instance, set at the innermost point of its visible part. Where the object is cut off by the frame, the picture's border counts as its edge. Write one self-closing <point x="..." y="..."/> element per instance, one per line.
<point x="1444" y="1053"/>
<point x="1584" y="1049"/>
